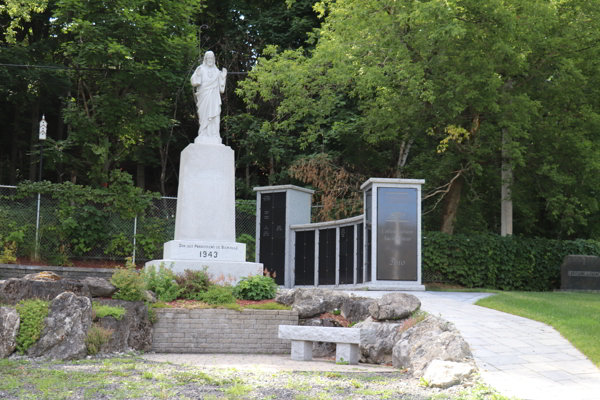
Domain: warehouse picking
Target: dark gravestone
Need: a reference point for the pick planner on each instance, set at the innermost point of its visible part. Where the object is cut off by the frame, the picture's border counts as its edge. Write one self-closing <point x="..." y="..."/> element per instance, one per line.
<point x="580" y="273"/>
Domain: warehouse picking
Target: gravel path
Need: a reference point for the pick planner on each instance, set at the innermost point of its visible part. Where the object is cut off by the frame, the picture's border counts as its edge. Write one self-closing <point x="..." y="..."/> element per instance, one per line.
<point x="131" y="376"/>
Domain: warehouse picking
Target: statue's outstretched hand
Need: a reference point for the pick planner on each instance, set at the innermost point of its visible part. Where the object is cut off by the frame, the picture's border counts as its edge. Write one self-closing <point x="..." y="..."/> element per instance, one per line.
<point x="224" y="72"/>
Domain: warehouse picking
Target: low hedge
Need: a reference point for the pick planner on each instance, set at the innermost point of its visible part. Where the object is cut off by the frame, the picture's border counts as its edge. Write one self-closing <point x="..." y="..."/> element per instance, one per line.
<point x="497" y="262"/>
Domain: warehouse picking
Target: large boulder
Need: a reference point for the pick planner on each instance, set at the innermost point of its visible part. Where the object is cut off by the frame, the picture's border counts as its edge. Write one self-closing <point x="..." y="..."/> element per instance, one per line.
<point x="356" y="309"/>
<point x="99" y="287"/>
<point x="394" y="306"/>
<point x="9" y="329"/>
<point x="432" y="339"/>
<point x="44" y="276"/>
<point x="377" y="340"/>
<point x="134" y="331"/>
<point x="65" y="329"/>
<point x="443" y="374"/>
<point x="286" y="296"/>
<point x="311" y="302"/>
<point x="15" y="290"/>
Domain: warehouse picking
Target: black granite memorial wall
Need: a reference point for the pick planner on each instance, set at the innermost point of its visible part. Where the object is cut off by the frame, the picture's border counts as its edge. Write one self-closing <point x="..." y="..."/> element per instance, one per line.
<point x="272" y="235"/>
<point x="360" y="253"/>
<point x="346" y="255"/>
<point x="304" y="264"/>
<point x="327" y="257"/>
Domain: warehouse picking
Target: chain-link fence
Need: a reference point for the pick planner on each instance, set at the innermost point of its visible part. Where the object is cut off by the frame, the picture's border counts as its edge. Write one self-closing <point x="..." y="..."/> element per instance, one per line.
<point x="92" y="232"/>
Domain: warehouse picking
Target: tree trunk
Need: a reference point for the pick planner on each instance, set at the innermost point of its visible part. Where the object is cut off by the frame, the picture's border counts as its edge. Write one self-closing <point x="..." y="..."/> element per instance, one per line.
<point x="141" y="176"/>
<point x="402" y="156"/>
<point x="247" y="175"/>
<point x="35" y="126"/>
<point x="506" y="209"/>
<point x="14" y="150"/>
<point x="451" y="202"/>
<point x="271" y="169"/>
<point x="60" y="133"/>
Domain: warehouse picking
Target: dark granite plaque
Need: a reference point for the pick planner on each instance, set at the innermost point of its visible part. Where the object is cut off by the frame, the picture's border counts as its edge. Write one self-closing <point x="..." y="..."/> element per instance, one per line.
<point x="327" y="256"/>
<point x="272" y="234"/>
<point x="346" y="255"/>
<point x="304" y="263"/>
<point x="359" y="253"/>
<point x="580" y="273"/>
<point x="397" y="234"/>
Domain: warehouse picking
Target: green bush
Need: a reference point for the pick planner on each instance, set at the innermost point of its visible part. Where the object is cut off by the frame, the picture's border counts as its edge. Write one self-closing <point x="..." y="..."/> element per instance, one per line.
<point x="96" y="337"/>
<point x="193" y="283"/>
<point x="255" y="288"/>
<point x="162" y="283"/>
<point x="217" y="294"/>
<point x="129" y="283"/>
<point x="101" y="311"/>
<point x="497" y="262"/>
<point x="32" y="314"/>
<point x="250" y="246"/>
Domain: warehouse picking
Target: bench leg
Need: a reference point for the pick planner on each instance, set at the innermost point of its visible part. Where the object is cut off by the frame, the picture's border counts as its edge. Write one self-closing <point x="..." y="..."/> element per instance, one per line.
<point x="346" y="352"/>
<point x="302" y="350"/>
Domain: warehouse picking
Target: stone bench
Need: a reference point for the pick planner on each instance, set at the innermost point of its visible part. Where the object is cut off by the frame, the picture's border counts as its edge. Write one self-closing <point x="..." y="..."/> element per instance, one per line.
<point x="346" y="340"/>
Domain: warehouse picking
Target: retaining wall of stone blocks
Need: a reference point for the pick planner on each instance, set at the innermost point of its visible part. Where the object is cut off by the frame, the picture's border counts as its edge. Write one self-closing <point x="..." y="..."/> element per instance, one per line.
<point x="221" y="331"/>
<point x="18" y="271"/>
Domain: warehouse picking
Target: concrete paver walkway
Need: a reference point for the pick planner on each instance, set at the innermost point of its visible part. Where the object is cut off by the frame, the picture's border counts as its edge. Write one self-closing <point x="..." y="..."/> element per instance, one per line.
<point x="517" y="356"/>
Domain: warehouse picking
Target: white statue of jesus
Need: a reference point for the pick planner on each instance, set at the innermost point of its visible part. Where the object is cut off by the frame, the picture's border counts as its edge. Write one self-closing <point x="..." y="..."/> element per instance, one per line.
<point x="209" y="83"/>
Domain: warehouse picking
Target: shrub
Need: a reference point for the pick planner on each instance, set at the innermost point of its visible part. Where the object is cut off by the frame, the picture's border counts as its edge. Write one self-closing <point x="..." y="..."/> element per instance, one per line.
<point x="101" y="311"/>
<point x="162" y="283"/>
<point x="496" y="262"/>
<point x="193" y="283"/>
<point x="32" y="314"/>
<point x="96" y="337"/>
<point x="255" y="288"/>
<point x="250" y="242"/>
<point x="218" y="295"/>
<point x="129" y="282"/>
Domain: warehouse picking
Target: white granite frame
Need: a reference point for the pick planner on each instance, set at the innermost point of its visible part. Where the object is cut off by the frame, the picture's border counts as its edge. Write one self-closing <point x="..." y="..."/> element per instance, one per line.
<point x="374" y="184"/>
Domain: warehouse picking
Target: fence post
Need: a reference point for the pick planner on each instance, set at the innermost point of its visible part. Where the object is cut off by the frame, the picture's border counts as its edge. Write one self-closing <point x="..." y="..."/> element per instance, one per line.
<point x="134" y="233"/>
<point x="36" y="255"/>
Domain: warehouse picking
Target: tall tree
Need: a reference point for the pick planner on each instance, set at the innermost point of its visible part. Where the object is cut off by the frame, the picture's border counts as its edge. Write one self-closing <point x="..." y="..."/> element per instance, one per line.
<point x="440" y="81"/>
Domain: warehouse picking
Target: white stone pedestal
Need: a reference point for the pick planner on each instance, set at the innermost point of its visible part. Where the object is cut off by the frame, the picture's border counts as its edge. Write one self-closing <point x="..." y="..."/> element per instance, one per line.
<point x="205" y="219"/>
<point x="206" y="194"/>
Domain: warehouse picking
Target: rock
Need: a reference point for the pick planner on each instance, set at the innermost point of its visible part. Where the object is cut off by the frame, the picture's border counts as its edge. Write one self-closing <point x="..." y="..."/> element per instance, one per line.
<point x="134" y="331"/>
<point x="285" y="296"/>
<point x="443" y="374"/>
<point x="311" y="302"/>
<point x="356" y="309"/>
<point x="9" y="329"/>
<point x="377" y="340"/>
<point x="15" y="290"/>
<point x="432" y="339"/>
<point x="44" y="276"/>
<point x="323" y="349"/>
<point x="394" y="306"/>
<point x="65" y="329"/>
<point x="99" y="287"/>
<point x="150" y="296"/>
<point x="310" y="322"/>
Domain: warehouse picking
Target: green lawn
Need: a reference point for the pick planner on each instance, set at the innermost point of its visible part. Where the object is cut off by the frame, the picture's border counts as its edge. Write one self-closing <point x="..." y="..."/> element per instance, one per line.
<point x="575" y="315"/>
